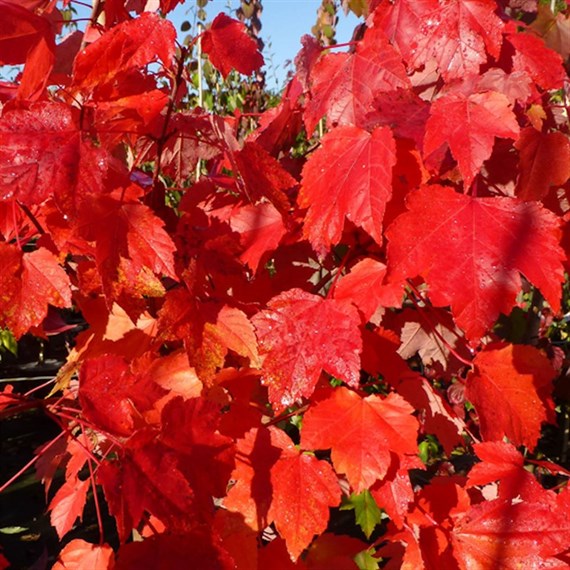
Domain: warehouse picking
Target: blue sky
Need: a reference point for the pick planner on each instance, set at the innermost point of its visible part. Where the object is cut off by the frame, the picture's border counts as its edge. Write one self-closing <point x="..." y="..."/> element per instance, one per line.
<point x="283" y="24"/>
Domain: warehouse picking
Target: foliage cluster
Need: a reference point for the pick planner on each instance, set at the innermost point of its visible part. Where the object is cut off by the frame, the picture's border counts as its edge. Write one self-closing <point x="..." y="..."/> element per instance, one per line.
<point x="347" y="307"/>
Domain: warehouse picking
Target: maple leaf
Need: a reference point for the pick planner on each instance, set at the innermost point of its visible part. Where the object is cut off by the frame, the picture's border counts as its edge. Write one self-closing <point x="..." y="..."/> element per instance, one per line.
<point x="430" y="333"/>
<point x="362" y="433"/>
<point x="28" y="282"/>
<point x="544" y="162"/>
<point x="30" y="39"/>
<point x="511" y="391"/>
<point x="263" y="175"/>
<point x="349" y="176"/>
<point x="68" y="504"/>
<point x="147" y="476"/>
<point x="364" y="286"/>
<point x="304" y="488"/>
<point x="457" y="35"/>
<point x="300" y="335"/>
<point x="343" y="86"/>
<point x="113" y="397"/>
<point x="205" y="456"/>
<point x="229" y="46"/>
<point x="260" y="227"/>
<point x="487" y="241"/>
<point x="81" y="555"/>
<point x="532" y="56"/>
<point x="469" y="125"/>
<point x="130" y="243"/>
<point x="256" y="454"/>
<point x="43" y="154"/>
<point x="500" y="461"/>
<point x="510" y="535"/>
<point x="128" y="46"/>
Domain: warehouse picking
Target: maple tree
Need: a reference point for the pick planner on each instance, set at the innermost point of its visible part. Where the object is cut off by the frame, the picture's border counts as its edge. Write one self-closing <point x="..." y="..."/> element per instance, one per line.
<point x="351" y="301"/>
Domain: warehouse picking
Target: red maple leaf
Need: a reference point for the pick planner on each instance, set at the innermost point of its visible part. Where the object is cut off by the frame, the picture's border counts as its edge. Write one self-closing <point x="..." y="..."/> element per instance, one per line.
<point x="500" y="461"/>
<point x="343" y="85"/>
<point x="126" y="47"/>
<point x="364" y="286"/>
<point x="304" y="488"/>
<point x="130" y="243"/>
<point x="260" y="227"/>
<point x="457" y="35"/>
<point x="81" y="555"/>
<point x="532" y="56"/>
<point x="300" y="335"/>
<point x="30" y="39"/>
<point x="229" y="46"/>
<point x="487" y="242"/>
<point x="363" y="433"/>
<point x="469" y="125"/>
<point x="68" y="504"/>
<point x="29" y="281"/>
<point x="43" y="154"/>
<point x="509" y="534"/>
<point x="544" y="162"/>
<point x="349" y="176"/>
<point x="511" y="390"/>
<point x="252" y="493"/>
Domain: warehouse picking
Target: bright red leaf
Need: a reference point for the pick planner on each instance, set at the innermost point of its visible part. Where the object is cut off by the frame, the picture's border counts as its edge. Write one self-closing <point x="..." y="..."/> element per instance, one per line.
<point x="532" y="56"/>
<point x="364" y="286"/>
<point x="67" y="505"/>
<point x="469" y="126"/>
<point x="511" y="535"/>
<point x="43" y="154"/>
<point x="348" y="177"/>
<point x="30" y="39"/>
<point x="500" y="461"/>
<point x="511" y="390"/>
<point x="458" y="35"/>
<point x="363" y="433"/>
<point x="487" y="243"/>
<point x="344" y="85"/>
<point x="304" y="488"/>
<point x="130" y="243"/>
<point x="300" y="335"/>
<point x="81" y="555"/>
<point x="28" y="282"/>
<point x="261" y="228"/>
<point x="126" y="47"/>
<point x="229" y="46"/>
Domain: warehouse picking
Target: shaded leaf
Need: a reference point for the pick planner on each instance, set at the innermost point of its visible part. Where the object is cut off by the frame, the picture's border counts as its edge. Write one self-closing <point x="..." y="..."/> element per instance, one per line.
<point x="487" y="242"/>
<point x="511" y="390"/>
<point x="469" y="126"/>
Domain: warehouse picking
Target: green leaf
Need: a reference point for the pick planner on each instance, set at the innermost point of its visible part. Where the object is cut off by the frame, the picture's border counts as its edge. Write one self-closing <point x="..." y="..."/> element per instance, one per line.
<point x="366" y="511"/>
<point x="8" y="342"/>
<point x="13" y="529"/>
<point x="365" y="561"/>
